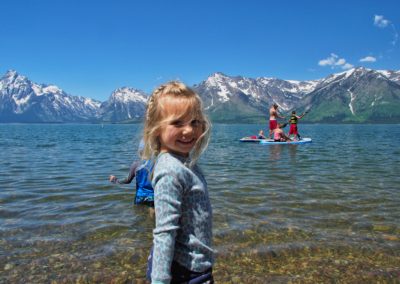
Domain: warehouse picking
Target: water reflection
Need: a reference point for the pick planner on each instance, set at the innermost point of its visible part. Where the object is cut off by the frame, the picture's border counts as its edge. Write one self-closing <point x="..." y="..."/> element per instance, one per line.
<point x="275" y="152"/>
<point x="292" y="152"/>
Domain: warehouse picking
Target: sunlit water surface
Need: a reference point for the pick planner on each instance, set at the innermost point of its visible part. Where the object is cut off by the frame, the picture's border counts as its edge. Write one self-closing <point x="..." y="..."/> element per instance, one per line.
<point x="320" y="212"/>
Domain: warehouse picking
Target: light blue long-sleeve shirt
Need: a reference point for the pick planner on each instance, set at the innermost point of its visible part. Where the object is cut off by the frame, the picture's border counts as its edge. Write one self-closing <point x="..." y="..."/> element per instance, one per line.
<point x="183" y="231"/>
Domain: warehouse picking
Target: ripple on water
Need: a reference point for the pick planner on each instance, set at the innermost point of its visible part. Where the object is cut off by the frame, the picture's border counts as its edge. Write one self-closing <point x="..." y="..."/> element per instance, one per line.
<point x="304" y="214"/>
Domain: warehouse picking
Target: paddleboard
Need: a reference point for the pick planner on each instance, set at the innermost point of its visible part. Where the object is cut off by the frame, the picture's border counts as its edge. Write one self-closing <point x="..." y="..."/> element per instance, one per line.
<point x="250" y="139"/>
<point x="272" y="142"/>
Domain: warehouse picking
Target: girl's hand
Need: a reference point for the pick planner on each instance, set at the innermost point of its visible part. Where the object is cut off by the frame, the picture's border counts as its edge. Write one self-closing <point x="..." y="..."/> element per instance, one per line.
<point x="113" y="179"/>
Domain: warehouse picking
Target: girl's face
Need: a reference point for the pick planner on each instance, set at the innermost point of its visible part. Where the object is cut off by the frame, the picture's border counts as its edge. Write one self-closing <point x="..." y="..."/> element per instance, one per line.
<point x="180" y="135"/>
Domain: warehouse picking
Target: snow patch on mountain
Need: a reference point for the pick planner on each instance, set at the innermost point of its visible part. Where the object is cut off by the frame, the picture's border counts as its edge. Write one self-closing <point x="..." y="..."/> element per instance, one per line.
<point x="51" y="89"/>
<point x="304" y="87"/>
<point x="352" y="98"/>
<point x="335" y="78"/>
<point x="385" y="73"/>
<point x="21" y="100"/>
<point x="219" y="81"/>
<point x="92" y="103"/>
<point x="393" y="76"/>
<point x="128" y="95"/>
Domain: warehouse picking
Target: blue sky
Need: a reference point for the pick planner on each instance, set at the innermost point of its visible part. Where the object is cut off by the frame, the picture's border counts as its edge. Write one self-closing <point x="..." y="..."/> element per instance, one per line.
<point x="90" y="48"/>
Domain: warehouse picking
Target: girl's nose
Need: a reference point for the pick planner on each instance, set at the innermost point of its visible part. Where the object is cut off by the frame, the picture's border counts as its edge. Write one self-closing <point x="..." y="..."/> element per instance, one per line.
<point x="187" y="129"/>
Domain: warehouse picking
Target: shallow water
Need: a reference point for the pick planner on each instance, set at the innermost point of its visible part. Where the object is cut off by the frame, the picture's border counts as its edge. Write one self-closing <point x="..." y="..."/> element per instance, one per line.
<point x="321" y="212"/>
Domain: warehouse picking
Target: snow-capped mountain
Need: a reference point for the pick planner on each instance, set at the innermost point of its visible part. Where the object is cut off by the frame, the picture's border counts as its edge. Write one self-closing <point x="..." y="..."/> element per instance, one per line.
<point x="124" y="104"/>
<point x="238" y="98"/>
<point x="356" y="95"/>
<point x="24" y="101"/>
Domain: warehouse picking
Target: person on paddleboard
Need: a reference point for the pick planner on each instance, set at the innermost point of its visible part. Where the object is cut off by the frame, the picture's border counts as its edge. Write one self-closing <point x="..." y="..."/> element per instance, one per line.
<point x="273" y="116"/>
<point x="279" y="135"/>
<point x="261" y="134"/>
<point x="293" y="125"/>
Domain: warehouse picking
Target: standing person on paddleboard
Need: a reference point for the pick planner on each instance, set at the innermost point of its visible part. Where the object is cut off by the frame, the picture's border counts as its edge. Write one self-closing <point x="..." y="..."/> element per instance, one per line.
<point x="293" y="125"/>
<point x="273" y="116"/>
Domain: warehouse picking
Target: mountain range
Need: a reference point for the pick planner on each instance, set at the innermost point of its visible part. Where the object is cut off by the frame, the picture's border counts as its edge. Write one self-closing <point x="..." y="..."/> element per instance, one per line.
<point x="358" y="95"/>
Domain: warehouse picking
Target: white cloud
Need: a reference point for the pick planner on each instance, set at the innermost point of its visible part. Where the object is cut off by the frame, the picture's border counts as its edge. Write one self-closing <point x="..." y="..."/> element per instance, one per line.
<point x="328" y="61"/>
<point x="347" y="66"/>
<point x="368" y="59"/>
<point x="325" y="62"/>
<point x="380" y="21"/>
<point x="341" y="61"/>
<point x="334" y="61"/>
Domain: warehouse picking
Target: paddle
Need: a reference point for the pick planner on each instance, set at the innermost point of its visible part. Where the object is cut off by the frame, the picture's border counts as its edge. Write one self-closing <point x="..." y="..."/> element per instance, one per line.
<point x="304" y="113"/>
<point x="307" y="111"/>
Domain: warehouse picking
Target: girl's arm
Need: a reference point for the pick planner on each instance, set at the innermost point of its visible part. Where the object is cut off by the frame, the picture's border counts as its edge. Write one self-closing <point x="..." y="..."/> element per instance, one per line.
<point x="167" y="200"/>
<point x="130" y="177"/>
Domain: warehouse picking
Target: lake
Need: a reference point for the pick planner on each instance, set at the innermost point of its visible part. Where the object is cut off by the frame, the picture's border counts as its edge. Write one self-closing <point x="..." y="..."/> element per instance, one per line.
<point x="320" y="212"/>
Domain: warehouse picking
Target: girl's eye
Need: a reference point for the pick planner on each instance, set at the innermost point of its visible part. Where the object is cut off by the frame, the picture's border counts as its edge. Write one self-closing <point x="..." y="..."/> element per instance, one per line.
<point x="193" y="123"/>
<point x="177" y="123"/>
<point x="196" y="123"/>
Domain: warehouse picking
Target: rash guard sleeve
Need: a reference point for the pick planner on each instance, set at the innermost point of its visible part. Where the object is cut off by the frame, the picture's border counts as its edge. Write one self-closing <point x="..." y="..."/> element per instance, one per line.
<point x="168" y="193"/>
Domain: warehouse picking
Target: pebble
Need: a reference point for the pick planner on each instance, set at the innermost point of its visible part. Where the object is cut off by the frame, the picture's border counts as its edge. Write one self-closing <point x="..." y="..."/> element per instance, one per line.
<point x="8" y="266"/>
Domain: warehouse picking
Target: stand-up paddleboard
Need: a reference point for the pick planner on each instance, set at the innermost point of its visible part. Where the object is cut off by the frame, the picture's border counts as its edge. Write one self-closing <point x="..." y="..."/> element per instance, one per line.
<point x="252" y="139"/>
<point x="272" y="142"/>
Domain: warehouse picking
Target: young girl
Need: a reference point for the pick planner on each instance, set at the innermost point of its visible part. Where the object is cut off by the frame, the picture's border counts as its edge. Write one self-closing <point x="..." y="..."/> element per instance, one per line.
<point x="176" y="132"/>
<point x="261" y="134"/>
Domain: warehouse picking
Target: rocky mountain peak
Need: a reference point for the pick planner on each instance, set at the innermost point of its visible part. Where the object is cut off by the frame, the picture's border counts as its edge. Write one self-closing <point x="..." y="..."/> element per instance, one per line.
<point x="216" y="79"/>
<point x="12" y="77"/>
<point x="126" y="95"/>
<point x="11" y="74"/>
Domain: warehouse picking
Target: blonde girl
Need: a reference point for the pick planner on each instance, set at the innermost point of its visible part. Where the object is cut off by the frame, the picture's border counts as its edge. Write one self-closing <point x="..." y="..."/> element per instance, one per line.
<point x="176" y="132"/>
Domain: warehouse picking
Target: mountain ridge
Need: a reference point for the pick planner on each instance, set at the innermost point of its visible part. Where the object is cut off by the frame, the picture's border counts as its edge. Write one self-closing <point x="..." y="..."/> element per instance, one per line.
<point x="356" y="95"/>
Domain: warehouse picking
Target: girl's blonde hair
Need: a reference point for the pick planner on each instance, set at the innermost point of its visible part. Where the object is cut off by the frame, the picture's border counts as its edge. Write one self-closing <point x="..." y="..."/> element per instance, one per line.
<point x="157" y="115"/>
